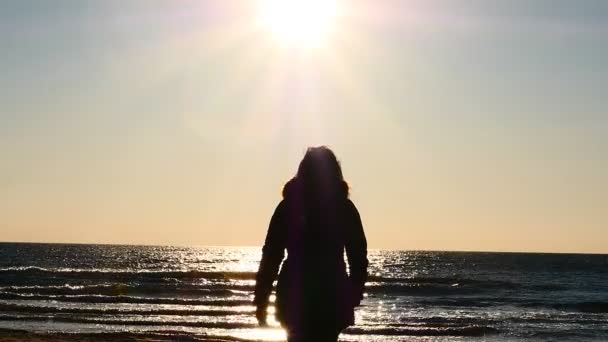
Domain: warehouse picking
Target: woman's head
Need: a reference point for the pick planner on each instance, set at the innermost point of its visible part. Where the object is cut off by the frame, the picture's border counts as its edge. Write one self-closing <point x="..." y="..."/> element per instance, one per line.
<point x="320" y="174"/>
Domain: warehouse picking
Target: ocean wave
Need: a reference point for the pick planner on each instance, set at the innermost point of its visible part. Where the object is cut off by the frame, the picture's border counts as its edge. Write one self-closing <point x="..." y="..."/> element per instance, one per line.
<point x="124" y="299"/>
<point x="442" y="322"/>
<point x="112" y="274"/>
<point x="548" y="287"/>
<point x="116" y="282"/>
<point x="225" y="289"/>
<point x="592" y="307"/>
<point x="420" y="289"/>
<point x="589" y="334"/>
<point x="130" y="321"/>
<point x="470" y="331"/>
<point x="121" y="289"/>
<point x="125" y="274"/>
<point x="15" y="308"/>
<point x="454" y="295"/>
<point x="584" y="307"/>
<point x="462" y="302"/>
<point x="220" y="289"/>
<point x="453" y="280"/>
<point x="154" y="335"/>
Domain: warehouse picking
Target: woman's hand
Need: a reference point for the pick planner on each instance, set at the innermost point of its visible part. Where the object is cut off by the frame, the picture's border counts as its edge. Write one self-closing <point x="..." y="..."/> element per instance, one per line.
<point x="261" y="314"/>
<point x="356" y="298"/>
<point x="355" y="293"/>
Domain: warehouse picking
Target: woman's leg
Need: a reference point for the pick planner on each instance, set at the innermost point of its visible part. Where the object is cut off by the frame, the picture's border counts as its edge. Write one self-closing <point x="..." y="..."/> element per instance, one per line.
<point x="293" y="336"/>
<point x="330" y="336"/>
<point x="316" y="335"/>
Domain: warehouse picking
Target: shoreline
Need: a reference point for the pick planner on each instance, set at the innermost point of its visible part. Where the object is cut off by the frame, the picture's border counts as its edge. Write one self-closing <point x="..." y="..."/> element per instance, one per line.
<point x="15" y="335"/>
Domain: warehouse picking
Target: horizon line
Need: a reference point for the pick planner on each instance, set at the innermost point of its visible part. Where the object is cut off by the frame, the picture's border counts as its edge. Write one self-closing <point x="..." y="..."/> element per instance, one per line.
<point x="260" y="247"/>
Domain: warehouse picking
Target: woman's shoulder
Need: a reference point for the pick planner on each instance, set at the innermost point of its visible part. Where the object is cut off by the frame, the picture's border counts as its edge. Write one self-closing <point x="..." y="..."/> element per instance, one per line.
<point x="281" y="206"/>
<point x="349" y="203"/>
<point x="350" y="207"/>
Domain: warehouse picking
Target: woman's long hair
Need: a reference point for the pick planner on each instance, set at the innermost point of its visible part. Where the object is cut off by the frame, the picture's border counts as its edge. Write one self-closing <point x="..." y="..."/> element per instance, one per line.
<point x="319" y="177"/>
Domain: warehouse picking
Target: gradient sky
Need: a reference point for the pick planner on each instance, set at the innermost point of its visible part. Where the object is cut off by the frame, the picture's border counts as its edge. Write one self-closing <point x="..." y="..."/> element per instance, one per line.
<point x="461" y="125"/>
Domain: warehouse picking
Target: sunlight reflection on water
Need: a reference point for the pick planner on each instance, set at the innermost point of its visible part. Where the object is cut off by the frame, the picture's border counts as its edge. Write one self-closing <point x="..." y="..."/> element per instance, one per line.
<point x="261" y="334"/>
<point x="411" y="296"/>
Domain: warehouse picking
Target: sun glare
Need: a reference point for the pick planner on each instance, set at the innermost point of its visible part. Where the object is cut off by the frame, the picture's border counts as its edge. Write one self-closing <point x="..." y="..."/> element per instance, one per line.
<point x="305" y="23"/>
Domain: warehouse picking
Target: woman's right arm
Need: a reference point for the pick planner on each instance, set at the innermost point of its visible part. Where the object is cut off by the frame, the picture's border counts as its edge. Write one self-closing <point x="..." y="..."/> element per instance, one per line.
<point x="272" y="256"/>
<point x="356" y="252"/>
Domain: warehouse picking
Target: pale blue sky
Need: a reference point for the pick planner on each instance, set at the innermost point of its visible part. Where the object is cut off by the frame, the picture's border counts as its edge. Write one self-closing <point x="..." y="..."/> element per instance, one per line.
<point x="475" y="125"/>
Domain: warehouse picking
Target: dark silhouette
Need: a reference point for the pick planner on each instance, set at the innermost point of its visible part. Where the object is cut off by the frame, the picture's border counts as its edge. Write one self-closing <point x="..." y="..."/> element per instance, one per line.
<point x="315" y="222"/>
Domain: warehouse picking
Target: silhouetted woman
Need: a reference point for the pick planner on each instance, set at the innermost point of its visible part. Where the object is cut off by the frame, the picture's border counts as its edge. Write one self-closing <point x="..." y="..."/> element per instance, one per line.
<point x="315" y="222"/>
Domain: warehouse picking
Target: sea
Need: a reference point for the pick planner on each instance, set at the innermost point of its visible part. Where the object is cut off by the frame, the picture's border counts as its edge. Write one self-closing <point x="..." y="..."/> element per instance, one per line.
<point x="206" y="292"/>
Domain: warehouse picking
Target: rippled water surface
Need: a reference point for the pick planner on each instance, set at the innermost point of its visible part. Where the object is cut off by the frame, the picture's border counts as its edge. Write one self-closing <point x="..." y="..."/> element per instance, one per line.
<point x="414" y="296"/>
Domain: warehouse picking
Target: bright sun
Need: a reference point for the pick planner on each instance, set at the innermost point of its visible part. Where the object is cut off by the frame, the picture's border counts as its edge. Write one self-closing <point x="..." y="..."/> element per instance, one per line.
<point x="305" y="23"/>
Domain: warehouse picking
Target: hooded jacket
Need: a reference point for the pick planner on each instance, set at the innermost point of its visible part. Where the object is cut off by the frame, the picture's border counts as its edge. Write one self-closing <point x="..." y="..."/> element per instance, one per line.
<point x="314" y="288"/>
